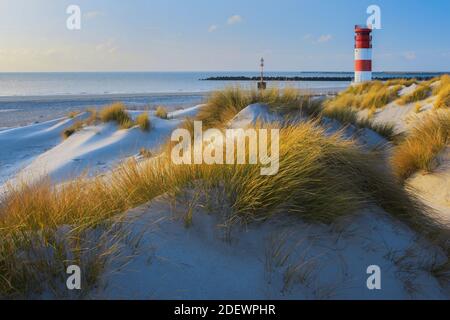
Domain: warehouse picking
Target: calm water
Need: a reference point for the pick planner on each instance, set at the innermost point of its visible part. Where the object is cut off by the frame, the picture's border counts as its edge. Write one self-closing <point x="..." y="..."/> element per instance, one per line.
<point x="30" y="97"/>
<point x="45" y="84"/>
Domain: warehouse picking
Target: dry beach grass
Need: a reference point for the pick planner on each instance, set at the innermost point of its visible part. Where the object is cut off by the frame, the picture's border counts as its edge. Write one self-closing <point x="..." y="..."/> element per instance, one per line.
<point x="422" y="145"/>
<point x="161" y="112"/>
<point x="322" y="177"/>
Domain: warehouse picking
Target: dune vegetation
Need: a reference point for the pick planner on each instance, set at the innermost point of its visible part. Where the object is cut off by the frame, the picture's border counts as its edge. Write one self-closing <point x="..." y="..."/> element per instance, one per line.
<point x="143" y="121"/>
<point x="422" y="92"/>
<point x="440" y="83"/>
<point x="417" y="107"/>
<point x="72" y="129"/>
<point x="322" y="177"/>
<point x="223" y="105"/>
<point x="349" y="116"/>
<point x="73" y="114"/>
<point x="115" y="112"/>
<point x="369" y="95"/>
<point x="443" y="98"/>
<point x="422" y="145"/>
<point x="442" y="91"/>
<point x="401" y="82"/>
<point x="161" y="112"/>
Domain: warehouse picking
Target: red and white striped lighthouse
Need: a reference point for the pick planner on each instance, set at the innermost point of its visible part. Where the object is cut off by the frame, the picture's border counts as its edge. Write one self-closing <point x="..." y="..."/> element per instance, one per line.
<point x="363" y="54"/>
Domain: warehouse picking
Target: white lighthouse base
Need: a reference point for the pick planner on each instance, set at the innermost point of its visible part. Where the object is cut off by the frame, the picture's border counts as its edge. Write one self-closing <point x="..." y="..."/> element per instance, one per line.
<point x="363" y="76"/>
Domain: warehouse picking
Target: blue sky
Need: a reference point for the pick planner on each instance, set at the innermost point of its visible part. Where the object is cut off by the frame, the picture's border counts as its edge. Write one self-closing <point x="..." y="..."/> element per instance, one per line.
<point x="181" y="35"/>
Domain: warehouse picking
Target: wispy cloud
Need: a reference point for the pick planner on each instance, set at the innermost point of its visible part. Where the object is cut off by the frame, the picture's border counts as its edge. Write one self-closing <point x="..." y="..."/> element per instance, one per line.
<point x="108" y="46"/>
<point x="234" y="19"/>
<point x="321" y="39"/>
<point x="212" y="28"/>
<point x="93" y="14"/>
<point x="324" y="38"/>
<point x="410" y="55"/>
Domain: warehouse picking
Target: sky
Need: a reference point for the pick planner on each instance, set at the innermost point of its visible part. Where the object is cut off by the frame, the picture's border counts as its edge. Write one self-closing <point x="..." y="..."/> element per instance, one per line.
<point x="220" y="35"/>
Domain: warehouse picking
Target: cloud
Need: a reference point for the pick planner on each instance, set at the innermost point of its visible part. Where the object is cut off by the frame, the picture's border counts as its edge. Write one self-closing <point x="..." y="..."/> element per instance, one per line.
<point x="212" y="28"/>
<point x="234" y="19"/>
<point x="93" y="14"/>
<point x="108" y="46"/>
<point x="321" y="39"/>
<point x="324" y="38"/>
<point x="410" y="55"/>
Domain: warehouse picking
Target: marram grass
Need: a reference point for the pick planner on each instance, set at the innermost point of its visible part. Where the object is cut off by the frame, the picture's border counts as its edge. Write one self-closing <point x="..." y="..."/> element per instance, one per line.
<point x="321" y="178"/>
<point x="115" y="112"/>
<point x="368" y="95"/>
<point x="223" y="105"/>
<point x="422" y="92"/>
<point x="161" y="112"/>
<point x="424" y="142"/>
<point x="143" y="121"/>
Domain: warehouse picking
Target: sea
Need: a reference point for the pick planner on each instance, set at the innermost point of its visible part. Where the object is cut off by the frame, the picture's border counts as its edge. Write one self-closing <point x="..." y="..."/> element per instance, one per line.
<point x="27" y="98"/>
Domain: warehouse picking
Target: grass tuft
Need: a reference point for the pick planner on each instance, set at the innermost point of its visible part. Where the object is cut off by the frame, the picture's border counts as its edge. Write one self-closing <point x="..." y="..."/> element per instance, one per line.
<point x="223" y="105"/>
<point x="143" y="121"/>
<point x="345" y="116"/>
<point x="443" y="97"/>
<point x="147" y="154"/>
<point x="422" y="92"/>
<point x="349" y="116"/>
<point x="73" y="114"/>
<point x="401" y="82"/>
<point x="161" y="112"/>
<point x="116" y="113"/>
<point x="418" y="107"/>
<point x="368" y="95"/>
<point x="419" y="149"/>
<point x="78" y="125"/>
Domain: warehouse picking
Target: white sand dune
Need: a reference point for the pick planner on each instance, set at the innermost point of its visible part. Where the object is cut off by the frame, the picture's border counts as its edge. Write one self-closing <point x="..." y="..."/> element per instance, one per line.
<point x="434" y="187"/>
<point x="252" y="114"/>
<point x="92" y="150"/>
<point x="19" y="146"/>
<point x="401" y="116"/>
<point x="260" y="113"/>
<point x="282" y="258"/>
<point x="184" y="113"/>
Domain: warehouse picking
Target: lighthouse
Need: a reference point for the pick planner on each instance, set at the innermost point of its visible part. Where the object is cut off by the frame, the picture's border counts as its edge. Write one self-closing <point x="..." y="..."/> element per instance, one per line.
<point x="363" y="54"/>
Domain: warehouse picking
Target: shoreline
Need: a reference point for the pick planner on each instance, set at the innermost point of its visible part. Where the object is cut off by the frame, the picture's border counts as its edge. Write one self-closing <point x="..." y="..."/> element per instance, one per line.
<point x="81" y="97"/>
<point x="21" y="111"/>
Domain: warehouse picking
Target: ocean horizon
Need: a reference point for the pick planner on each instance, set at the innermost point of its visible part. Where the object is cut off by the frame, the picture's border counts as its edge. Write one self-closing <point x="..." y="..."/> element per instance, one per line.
<point x="35" y="84"/>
